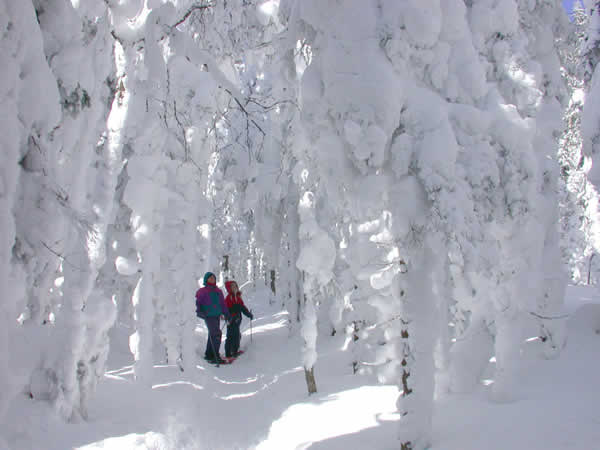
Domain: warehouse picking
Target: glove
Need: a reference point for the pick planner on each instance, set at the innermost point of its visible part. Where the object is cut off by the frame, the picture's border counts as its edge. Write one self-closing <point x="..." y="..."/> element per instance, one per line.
<point x="251" y="316"/>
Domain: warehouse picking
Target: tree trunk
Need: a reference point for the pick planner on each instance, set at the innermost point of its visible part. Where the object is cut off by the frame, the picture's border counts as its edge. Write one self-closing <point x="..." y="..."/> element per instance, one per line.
<point x="311" y="384"/>
<point x="254" y="266"/>
<point x="414" y="290"/>
<point x="406" y="354"/>
<point x="273" y="281"/>
<point x="225" y="267"/>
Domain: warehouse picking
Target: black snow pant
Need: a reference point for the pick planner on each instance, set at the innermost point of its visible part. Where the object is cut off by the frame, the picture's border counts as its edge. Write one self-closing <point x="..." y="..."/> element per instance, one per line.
<point x="214" y="337"/>
<point x="232" y="343"/>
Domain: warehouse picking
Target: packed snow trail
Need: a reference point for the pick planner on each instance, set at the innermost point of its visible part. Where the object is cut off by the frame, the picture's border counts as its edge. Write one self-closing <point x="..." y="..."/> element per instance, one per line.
<point x="229" y="406"/>
<point x="260" y="401"/>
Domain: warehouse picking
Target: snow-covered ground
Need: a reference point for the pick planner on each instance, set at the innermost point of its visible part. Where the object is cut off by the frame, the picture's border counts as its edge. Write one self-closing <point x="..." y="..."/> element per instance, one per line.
<point x="260" y="401"/>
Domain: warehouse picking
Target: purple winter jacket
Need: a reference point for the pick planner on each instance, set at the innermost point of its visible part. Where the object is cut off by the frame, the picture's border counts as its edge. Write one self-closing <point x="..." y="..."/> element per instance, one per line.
<point x="211" y="303"/>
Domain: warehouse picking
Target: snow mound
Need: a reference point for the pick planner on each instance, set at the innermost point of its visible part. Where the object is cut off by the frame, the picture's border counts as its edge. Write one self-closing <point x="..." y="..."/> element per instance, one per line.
<point x="587" y="318"/>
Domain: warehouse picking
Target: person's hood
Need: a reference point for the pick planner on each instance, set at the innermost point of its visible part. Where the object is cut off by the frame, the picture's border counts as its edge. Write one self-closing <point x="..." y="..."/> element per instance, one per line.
<point x="228" y="285"/>
<point x="207" y="275"/>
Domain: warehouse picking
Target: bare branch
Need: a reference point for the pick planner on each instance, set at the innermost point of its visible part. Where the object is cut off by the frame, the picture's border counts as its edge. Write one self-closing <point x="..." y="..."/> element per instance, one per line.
<point x="245" y="112"/>
<point x="273" y="105"/>
<point x="192" y="9"/>
<point x="564" y="316"/>
<point x="61" y="257"/>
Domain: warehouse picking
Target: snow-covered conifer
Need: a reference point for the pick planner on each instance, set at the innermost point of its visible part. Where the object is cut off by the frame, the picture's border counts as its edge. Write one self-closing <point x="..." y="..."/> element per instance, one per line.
<point x="65" y="168"/>
<point x="26" y="125"/>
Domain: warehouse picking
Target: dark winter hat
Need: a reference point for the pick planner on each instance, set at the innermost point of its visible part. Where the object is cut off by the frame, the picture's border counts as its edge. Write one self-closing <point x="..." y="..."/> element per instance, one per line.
<point x="207" y="275"/>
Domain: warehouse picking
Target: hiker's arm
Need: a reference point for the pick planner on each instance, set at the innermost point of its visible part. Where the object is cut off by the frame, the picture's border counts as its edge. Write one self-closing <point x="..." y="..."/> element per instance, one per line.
<point x="199" y="308"/>
<point x="224" y="308"/>
<point x="246" y="312"/>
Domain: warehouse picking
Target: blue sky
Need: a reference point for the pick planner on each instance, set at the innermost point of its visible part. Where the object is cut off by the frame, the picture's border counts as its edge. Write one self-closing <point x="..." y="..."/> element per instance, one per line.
<point x="568" y="4"/>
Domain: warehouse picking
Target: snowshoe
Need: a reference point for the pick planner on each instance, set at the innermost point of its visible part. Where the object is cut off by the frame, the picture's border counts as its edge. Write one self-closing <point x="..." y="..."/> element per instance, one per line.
<point x="235" y="355"/>
<point x="218" y="360"/>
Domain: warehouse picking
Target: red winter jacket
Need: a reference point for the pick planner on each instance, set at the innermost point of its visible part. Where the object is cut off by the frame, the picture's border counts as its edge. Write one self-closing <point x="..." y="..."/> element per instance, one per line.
<point x="235" y="303"/>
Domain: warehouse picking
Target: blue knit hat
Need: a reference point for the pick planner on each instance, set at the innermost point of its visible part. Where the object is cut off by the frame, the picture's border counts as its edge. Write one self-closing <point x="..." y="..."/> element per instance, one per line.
<point x="207" y="275"/>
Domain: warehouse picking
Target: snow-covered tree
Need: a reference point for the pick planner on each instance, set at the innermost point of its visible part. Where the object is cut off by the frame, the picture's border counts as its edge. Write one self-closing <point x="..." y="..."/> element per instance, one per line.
<point x="574" y="185"/>
<point x="67" y="186"/>
<point x="436" y="154"/>
<point x="25" y="72"/>
<point x="580" y="198"/>
<point x="590" y="58"/>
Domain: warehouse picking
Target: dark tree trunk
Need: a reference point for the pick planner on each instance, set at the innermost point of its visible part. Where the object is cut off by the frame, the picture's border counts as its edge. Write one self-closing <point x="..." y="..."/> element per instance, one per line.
<point x="225" y="267"/>
<point x="311" y="384"/>
<point x="273" y="281"/>
<point x="406" y="390"/>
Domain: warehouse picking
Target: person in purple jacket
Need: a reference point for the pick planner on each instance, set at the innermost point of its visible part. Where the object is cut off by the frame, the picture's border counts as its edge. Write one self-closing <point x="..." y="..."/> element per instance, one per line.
<point x="210" y="306"/>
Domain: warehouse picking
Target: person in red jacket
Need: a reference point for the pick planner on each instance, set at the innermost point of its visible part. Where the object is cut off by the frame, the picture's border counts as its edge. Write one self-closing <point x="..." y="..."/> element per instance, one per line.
<point x="236" y="307"/>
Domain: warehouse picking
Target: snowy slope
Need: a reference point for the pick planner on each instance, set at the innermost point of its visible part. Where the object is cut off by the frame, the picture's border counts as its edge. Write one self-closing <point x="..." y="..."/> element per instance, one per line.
<point x="260" y="401"/>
